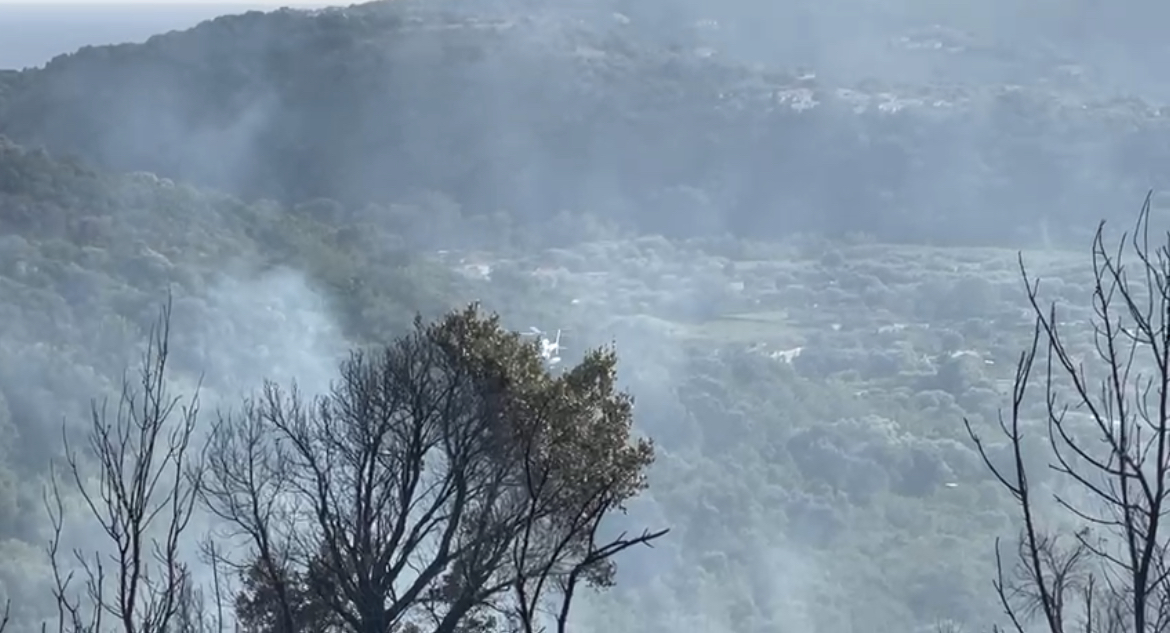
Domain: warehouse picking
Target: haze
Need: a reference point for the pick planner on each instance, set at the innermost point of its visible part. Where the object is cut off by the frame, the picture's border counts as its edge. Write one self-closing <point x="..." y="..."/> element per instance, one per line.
<point x="33" y="32"/>
<point x="799" y="223"/>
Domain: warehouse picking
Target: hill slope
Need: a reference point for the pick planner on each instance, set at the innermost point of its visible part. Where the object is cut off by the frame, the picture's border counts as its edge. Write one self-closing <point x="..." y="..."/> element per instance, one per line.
<point x="531" y="112"/>
<point x="86" y="258"/>
<point x="266" y="291"/>
<point x="806" y="396"/>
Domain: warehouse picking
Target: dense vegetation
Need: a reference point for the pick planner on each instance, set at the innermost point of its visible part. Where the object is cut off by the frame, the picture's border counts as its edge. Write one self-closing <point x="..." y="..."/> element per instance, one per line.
<point x="522" y="111"/>
<point x="801" y="346"/>
<point x="835" y="463"/>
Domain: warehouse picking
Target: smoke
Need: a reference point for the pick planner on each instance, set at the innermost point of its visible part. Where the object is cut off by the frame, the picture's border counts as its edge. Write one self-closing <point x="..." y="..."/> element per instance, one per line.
<point x="490" y="104"/>
<point x="489" y="128"/>
<point x="258" y="325"/>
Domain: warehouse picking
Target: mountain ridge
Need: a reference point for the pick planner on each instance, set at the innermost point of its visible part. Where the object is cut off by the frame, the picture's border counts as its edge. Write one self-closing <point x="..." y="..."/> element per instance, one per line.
<point x="532" y="113"/>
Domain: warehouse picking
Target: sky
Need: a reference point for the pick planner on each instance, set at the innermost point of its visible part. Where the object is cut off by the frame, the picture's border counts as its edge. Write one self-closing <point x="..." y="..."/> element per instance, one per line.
<point x="34" y="31"/>
<point x="96" y="3"/>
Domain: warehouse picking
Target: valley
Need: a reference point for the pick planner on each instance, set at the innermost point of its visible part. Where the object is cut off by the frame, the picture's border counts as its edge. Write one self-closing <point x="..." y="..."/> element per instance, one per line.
<point x="810" y="274"/>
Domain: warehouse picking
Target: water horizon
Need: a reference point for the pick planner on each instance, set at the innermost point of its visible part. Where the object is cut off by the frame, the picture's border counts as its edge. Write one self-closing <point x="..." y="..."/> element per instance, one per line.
<point x="32" y="34"/>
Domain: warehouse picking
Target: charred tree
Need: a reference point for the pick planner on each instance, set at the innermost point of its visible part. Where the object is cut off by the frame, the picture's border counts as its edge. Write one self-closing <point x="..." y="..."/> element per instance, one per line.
<point x="447" y="482"/>
<point x="138" y="481"/>
<point x="1106" y="423"/>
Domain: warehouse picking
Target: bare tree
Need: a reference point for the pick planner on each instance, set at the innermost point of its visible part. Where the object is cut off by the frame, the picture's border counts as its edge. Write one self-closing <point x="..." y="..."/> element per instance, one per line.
<point x="1109" y="438"/>
<point x="142" y="496"/>
<point x="447" y="482"/>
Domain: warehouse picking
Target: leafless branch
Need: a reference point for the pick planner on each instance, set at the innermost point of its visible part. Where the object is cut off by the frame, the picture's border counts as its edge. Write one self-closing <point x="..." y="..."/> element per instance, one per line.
<point x="1114" y="575"/>
<point x="438" y="473"/>
<point x="142" y="497"/>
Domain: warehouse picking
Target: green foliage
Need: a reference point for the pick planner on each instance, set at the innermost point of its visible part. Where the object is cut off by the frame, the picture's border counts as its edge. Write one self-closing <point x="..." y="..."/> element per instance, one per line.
<point x="618" y="123"/>
<point x="805" y="406"/>
<point x="85" y="257"/>
<point x="451" y="453"/>
<point x="804" y="391"/>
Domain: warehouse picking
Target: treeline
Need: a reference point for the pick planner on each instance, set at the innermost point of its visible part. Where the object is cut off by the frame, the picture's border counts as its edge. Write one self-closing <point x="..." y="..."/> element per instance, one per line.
<point x="447" y="482"/>
<point x="529" y="116"/>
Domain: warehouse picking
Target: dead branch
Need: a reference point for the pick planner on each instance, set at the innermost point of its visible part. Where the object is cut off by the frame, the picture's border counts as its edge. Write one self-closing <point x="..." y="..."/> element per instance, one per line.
<point x="142" y="497"/>
<point x="409" y="493"/>
<point x="1114" y="575"/>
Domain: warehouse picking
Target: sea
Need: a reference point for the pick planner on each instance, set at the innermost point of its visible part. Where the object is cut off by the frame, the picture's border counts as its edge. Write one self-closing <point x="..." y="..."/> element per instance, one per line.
<point x="32" y="33"/>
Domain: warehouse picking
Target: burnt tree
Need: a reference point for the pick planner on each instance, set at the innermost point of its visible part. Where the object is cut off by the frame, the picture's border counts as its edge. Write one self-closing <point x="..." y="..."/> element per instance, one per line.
<point x="1095" y="559"/>
<point x="447" y="482"/>
<point x="137" y="478"/>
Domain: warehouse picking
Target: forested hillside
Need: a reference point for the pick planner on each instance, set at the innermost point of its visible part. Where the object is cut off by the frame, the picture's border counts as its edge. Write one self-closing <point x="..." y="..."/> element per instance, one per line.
<point x="806" y="396"/>
<point x="810" y="279"/>
<point x="88" y="256"/>
<point x="523" y="110"/>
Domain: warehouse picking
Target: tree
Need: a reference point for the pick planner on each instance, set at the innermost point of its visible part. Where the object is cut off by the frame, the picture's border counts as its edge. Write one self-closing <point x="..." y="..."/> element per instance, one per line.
<point x="446" y="482"/>
<point x="1109" y="435"/>
<point x="143" y="497"/>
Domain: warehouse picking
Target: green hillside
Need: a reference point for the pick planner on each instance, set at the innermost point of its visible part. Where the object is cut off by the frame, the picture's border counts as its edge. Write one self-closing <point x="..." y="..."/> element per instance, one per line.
<point x="810" y="282"/>
<point x="527" y="110"/>
<point x="834" y="459"/>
